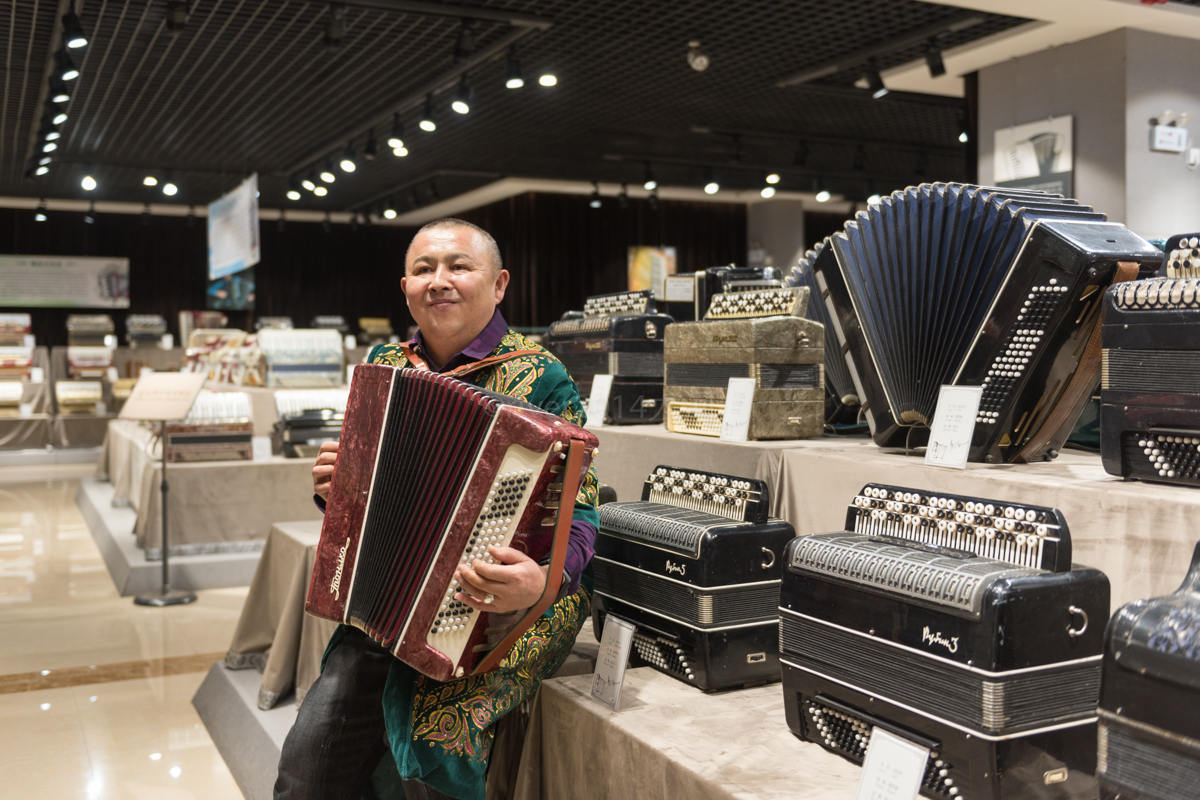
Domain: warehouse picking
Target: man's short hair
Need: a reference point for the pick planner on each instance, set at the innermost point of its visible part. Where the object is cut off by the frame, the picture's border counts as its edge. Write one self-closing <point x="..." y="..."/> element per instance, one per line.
<point x="493" y="250"/>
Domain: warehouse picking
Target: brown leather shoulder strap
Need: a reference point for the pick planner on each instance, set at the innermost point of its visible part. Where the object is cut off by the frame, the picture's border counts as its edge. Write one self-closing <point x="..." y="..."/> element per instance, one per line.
<point x="416" y="362"/>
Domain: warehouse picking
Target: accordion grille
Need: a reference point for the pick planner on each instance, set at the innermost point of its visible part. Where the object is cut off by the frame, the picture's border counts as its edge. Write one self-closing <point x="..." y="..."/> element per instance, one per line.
<point x="1134" y="764"/>
<point x="916" y="573"/>
<point x="1171" y="371"/>
<point x="993" y="704"/>
<point x="687" y="604"/>
<point x="670" y="527"/>
<point x="420" y="454"/>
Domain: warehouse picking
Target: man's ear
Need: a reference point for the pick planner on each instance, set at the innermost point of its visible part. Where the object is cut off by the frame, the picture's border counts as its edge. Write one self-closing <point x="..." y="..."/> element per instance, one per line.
<point x="501" y="285"/>
<point x="404" y="288"/>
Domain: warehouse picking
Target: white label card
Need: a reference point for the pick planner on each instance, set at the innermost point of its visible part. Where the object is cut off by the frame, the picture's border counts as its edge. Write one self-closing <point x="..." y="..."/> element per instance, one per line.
<point x="37" y="375"/>
<point x="113" y="376"/>
<point x="30" y="340"/>
<point x="893" y="768"/>
<point x="168" y="341"/>
<point x="598" y="400"/>
<point x="25" y="409"/>
<point x="739" y="400"/>
<point x="349" y="342"/>
<point x="101" y="409"/>
<point x="260" y="448"/>
<point x="680" y="289"/>
<point x="953" y="426"/>
<point x="611" y="661"/>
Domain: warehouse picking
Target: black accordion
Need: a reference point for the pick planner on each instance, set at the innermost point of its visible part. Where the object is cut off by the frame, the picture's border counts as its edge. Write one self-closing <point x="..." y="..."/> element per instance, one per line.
<point x="145" y="330"/>
<point x="842" y="402"/>
<point x="619" y="335"/>
<point x="956" y="622"/>
<point x="307" y="419"/>
<point x="1149" y="735"/>
<point x="695" y="565"/>
<point x="1150" y="381"/>
<point x="975" y="286"/>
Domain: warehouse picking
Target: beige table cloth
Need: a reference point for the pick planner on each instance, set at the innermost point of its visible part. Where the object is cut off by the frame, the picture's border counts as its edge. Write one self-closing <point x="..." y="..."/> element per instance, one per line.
<point x="35" y="431"/>
<point x="274" y="635"/>
<point x="128" y="448"/>
<point x="672" y="741"/>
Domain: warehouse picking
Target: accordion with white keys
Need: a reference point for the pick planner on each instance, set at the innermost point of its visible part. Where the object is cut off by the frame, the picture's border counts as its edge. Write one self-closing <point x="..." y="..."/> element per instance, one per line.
<point x="430" y="472"/>
<point x="956" y="622"/>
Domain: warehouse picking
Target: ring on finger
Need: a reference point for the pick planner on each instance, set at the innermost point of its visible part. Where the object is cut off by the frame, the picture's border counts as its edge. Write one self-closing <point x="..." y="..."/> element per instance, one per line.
<point x="488" y="599"/>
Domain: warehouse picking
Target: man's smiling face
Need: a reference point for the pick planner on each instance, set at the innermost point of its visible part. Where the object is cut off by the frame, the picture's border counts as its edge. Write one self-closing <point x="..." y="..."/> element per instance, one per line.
<point x="451" y="286"/>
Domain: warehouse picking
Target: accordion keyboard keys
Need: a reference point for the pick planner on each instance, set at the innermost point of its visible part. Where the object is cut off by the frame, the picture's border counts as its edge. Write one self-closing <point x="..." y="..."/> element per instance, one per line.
<point x="664" y="654"/>
<point x="704" y="419"/>
<point x="1184" y="260"/>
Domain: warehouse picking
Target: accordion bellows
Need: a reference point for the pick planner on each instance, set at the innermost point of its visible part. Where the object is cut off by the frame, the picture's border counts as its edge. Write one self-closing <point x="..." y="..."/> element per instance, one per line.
<point x="431" y="470"/>
<point x="974" y="286"/>
<point x="838" y="381"/>
<point x="1149" y="731"/>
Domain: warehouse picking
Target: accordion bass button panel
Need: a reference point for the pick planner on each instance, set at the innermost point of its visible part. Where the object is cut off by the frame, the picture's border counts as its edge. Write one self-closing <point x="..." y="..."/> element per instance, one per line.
<point x="496" y="526"/>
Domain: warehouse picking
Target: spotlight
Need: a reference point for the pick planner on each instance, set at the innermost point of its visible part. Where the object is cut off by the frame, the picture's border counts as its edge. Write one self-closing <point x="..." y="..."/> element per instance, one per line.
<point x="149" y="180"/>
<point x="370" y="149"/>
<point x="90" y="217"/>
<point x="59" y="93"/>
<point x="389" y="212"/>
<point x="823" y="196"/>
<point x="962" y="137"/>
<point x="548" y="79"/>
<point x="875" y="82"/>
<point x="51" y="135"/>
<point x="42" y="169"/>
<point x="514" y="79"/>
<point x="695" y="58"/>
<point x="396" y="140"/>
<point x="65" y="68"/>
<point x="73" y="31"/>
<point x="88" y="183"/>
<point x="320" y="191"/>
<point x="400" y="152"/>
<point x="595" y="201"/>
<point x="773" y="178"/>
<point x="170" y="189"/>
<point x="327" y="173"/>
<point x="464" y="48"/>
<point x="933" y="59"/>
<point x="177" y="15"/>
<point x="308" y="184"/>
<point x="874" y="200"/>
<point x="650" y="184"/>
<point x="768" y="192"/>
<point x="293" y="194"/>
<point x="348" y="164"/>
<point x="49" y="147"/>
<point x="710" y="182"/>
<point x="427" y="124"/>
<point x="44" y="160"/>
<point x="462" y="100"/>
<point x="40" y="214"/>
<point x="56" y="114"/>
<point x="335" y="29"/>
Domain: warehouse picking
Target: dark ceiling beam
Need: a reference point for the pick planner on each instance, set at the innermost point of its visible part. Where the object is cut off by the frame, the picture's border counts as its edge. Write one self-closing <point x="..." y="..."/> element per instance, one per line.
<point x="31" y="148"/>
<point x="856" y="58"/>
<point x="449" y="172"/>
<point x="444" y="82"/>
<point x="792" y="139"/>
<point x="758" y="169"/>
<point x="461" y="12"/>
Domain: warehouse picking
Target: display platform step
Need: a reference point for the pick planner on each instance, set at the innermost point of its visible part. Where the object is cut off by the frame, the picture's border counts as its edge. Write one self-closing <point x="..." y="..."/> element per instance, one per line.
<point x="248" y="738"/>
<point x="48" y="456"/>
<point x="112" y="528"/>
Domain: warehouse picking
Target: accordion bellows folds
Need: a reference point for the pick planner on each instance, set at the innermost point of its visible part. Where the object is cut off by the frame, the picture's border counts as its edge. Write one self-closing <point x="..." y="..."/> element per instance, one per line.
<point x="838" y="382"/>
<point x="760" y="334"/>
<point x="695" y="566"/>
<point x="974" y="286"/>
<point x="1150" y="381"/>
<point x="619" y="335"/>
<point x="957" y="622"/>
<point x="1149" y="730"/>
<point x="430" y="472"/>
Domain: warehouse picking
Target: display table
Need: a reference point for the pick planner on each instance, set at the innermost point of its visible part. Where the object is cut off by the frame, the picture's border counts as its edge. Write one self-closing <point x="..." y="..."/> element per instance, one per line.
<point x="126" y="452"/>
<point x="130" y="361"/>
<point x="274" y="635"/>
<point x="262" y="404"/>
<point x="36" y="430"/>
<point x="670" y="741"/>
<point x="81" y="430"/>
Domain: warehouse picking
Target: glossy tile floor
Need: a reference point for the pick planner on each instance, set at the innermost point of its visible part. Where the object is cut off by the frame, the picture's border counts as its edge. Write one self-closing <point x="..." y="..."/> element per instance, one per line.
<point x="60" y="615"/>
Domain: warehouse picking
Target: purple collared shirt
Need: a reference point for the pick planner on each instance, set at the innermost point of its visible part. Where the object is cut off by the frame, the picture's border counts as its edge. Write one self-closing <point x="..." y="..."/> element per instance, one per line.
<point x="581" y="544"/>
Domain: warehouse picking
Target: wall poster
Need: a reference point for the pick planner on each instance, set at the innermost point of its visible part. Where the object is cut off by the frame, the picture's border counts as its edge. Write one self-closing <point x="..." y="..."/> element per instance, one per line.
<point x="649" y="268"/>
<point x="64" y="282"/>
<point x="1037" y="155"/>
<point x="233" y="247"/>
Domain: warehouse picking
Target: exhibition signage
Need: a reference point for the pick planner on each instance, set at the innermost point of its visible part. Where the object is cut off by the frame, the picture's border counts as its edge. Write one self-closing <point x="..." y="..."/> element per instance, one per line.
<point x="598" y="400"/>
<point x="64" y="282"/>
<point x="953" y="426"/>
<point x="609" y="676"/>
<point x="233" y="243"/>
<point x="739" y="402"/>
<point x="892" y="769"/>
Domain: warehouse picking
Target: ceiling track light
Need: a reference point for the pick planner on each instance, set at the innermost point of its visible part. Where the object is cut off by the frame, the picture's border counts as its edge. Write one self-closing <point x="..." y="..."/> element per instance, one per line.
<point x="150" y="180"/>
<point x="513" y="79"/>
<point x="389" y="210"/>
<point x="88" y="183"/>
<point x="56" y="115"/>
<point x="396" y="140"/>
<point x="170" y="189"/>
<point x="652" y="200"/>
<point x="650" y="184"/>
<point x="875" y="81"/>
<point x="623" y="197"/>
<point x="335" y="28"/>
<point x="370" y="149"/>
<point x="90" y="216"/>
<point x="464" y="48"/>
<point x="49" y="147"/>
<point x="710" y="182"/>
<point x="327" y="173"/>
<point x="39" y="215"/>
<point x="595" y="202"/>
<point x="933" y="59"/>
<point x="462" y="98"/>
<point x="310" y="183"/>
<point x="42" y="169"/>
<point x="64" y="67"/>
<point x="320" y="191"/>
<point x="348" y="164"/>
<point x="548" y="79"/>
<point x="73" y="35"/>
<point x="177" y="15"/>
<point x="427" y="122"/>
<point x="59" y="90"/>
<point x="823" y="194"/>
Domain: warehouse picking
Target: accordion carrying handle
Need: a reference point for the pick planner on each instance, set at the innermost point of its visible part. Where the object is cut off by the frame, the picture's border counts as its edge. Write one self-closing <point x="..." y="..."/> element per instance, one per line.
<point x="558" y="559"/>
<point x="1081" y="382"/>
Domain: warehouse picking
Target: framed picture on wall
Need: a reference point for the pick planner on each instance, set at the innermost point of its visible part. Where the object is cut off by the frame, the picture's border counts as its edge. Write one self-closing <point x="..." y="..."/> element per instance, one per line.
<point x="1036" y="155"/>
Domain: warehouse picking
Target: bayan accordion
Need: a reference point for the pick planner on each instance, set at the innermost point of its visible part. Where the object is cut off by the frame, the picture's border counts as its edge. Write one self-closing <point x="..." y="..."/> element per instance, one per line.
<point x="90" y="330"/>
<point x="86" y="361"/>
<point x="334" y="322"/>
<point x="14" y="328"/>
<point x="973" y="286"/>
<point x="839" y="383"/>
<point x="145" y="330"/>
<point x="1149" y="732"/>
<point x="78" y="397"/>
<point x="16" y="362"/>
<point x="302" y="358"/>
<point x="760" y="334"/>
<point x="217" y="428"/>
<point x="1150" y="380"/>
<point x="619" y="335"/>
<point x="430" y="472"/>
<point x="1182" y="256"/>
<point x="957" y="622"/>
<point x="273" y="323"/>
<point x="695" y="565"/>
<point x="307" y="418"/>
<point x="374" y="330"/>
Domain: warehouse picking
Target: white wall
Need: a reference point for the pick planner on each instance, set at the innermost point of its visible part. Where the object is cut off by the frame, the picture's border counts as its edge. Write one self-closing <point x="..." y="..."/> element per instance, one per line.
<point x="776" y="226"/>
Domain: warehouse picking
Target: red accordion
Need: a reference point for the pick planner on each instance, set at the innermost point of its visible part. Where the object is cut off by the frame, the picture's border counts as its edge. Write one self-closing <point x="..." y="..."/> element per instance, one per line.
<point x="430" y="472"/>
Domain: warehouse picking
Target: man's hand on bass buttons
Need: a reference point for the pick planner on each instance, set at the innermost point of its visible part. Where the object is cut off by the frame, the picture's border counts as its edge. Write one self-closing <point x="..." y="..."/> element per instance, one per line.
<point x="322" y="470"/>
<point x="516" y="581"/>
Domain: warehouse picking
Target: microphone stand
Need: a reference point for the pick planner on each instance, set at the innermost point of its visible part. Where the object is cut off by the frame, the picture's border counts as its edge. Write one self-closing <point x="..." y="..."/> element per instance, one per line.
<point x="166" y="595"/>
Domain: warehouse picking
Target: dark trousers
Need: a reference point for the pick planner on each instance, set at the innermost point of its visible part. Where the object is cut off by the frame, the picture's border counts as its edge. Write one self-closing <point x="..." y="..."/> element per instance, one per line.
<point x="340" y="736"/>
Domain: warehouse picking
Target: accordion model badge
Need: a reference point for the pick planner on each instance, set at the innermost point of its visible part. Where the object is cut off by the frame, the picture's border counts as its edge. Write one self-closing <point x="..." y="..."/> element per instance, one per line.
<point x="839" y="383"/>
<point x="218" y="428"/>
<point x="619" y="335"/>
<point x="145" y="330"/>
<point x="1150" y="381"/>
<point x="302" y="358"/>
<point x="695" y="565"/>
<point x="1149" y="731"/>
<point x="430" y="472"/>
<point x="1183" y="256"/>
<point x="90" y="330"/>
<point x="957" y="622"/>
<point x="307" y="418"/>
<point x="14" y="328"/>
<point x="78" y="397"/>
<point x="973" y="286"/>
<point x="757" y="333"/>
